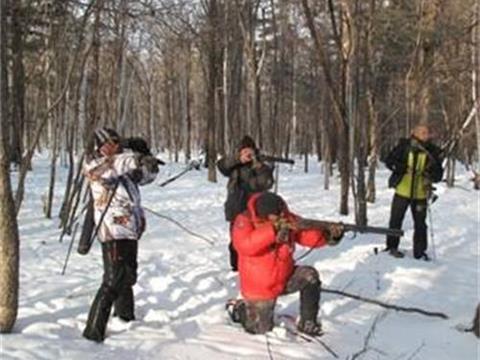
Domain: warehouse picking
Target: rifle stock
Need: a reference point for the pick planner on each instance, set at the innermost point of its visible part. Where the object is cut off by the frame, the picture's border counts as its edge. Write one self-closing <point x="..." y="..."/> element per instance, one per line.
<point x="305" y="224"/>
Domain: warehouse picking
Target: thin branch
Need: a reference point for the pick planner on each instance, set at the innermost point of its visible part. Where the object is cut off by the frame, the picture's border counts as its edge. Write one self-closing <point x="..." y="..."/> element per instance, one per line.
<point x="370" y="334"/>
<point x="153" y="212"/>
<point x="417" y="350"/>
<point x="386" y="305"/>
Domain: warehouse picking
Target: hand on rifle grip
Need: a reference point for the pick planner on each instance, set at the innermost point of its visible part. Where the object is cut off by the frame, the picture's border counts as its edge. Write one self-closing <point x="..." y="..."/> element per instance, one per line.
<point x="335" y="234"/>
<point x="282" y="227"/>
<point x="283" y="236"/>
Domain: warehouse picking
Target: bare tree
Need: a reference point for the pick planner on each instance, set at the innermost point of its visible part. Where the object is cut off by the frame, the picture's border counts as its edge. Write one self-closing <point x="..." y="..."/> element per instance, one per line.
<point x="9" y="241"/>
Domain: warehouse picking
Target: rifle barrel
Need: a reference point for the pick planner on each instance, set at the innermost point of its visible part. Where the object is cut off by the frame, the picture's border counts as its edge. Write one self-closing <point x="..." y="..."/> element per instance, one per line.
<point x="175" y="177"/>
<point x="269" y="158"/>
<point x="319" y="224"/>
<point x="374" y="230"/>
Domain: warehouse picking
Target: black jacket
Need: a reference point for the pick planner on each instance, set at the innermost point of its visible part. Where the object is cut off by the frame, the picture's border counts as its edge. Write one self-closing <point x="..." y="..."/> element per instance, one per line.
<point x="244" y="180"/>
<point x="397" y="161"/>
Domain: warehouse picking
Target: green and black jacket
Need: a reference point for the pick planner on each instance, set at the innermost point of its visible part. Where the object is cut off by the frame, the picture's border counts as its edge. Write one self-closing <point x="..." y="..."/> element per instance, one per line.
<point x="414" y="166"/>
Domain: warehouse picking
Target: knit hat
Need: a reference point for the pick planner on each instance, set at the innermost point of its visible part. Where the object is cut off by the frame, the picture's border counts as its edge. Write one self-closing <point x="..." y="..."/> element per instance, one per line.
<point x="104" y="135"/>
<point x="269" y="203"/>
<point x="247" y="142"/>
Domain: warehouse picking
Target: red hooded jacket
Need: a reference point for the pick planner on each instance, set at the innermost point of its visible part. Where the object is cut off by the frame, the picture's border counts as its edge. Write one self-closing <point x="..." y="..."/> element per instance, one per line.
<point x="265" y="265"/>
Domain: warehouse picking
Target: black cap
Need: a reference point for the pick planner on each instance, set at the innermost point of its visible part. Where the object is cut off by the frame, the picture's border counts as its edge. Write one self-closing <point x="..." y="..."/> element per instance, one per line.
<point x="104" y="135"/>
<point x="269" y="203"/>
<point x="247" y="142"/>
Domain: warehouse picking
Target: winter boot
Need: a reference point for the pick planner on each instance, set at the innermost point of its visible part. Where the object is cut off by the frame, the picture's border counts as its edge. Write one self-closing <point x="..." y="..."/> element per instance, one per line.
<point x="396" y="253"/>
<point x="235" y="309"/>
<point x="423" y="256"/>
<point x="310" y="327"/>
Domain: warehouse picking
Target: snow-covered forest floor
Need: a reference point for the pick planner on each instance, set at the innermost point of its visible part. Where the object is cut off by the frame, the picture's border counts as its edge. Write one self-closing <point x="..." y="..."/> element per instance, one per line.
<point x="183" y="282"/>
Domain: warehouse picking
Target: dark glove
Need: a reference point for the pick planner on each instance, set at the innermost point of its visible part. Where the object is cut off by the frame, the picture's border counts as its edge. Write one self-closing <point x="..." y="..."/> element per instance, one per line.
<point x="136" y="175"/>
<point x="150" y="163"/>
<point x="335" y="234"/>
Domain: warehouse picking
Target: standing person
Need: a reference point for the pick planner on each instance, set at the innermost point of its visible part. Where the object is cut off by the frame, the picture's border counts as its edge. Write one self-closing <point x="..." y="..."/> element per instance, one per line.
<point x="114" y="177"/>
<point x="265" y="236"/>
<point x="415" y="163"/>
<point x="247" y="175"/>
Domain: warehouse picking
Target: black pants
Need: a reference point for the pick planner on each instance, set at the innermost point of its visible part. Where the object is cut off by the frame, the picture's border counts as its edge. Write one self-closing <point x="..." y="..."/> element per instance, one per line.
<point x="257" y="316"/>
<point x="419" y="214"/>
<point x="232" y="251"/>
<point x="120" y="274"/>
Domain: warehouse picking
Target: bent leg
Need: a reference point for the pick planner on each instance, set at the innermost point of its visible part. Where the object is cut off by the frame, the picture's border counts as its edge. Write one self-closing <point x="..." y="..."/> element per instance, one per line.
<point x="306" y="280"/>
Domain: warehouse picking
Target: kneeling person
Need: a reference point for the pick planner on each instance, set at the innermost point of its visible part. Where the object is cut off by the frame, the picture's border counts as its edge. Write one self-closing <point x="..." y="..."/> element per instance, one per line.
<point x="265" y="236"/>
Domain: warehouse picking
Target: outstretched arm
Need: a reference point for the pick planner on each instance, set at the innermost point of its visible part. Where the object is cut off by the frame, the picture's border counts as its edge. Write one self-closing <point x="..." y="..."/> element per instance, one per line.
<point x="227" y="164"/>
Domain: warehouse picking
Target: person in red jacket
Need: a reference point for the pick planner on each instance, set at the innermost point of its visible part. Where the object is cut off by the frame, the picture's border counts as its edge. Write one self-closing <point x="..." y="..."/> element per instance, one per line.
<point x="265" y="236"/>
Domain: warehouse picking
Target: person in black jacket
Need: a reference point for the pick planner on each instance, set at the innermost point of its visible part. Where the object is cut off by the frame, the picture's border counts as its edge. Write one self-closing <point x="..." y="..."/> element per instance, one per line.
<point x="416" y="163"/>
<point x="247" y="175"/>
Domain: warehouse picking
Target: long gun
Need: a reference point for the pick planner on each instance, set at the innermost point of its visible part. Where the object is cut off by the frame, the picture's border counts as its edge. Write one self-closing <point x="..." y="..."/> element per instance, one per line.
<point x="193" y="164"/>
<point x="305" y="224"/>
<point x="268" y="158"/>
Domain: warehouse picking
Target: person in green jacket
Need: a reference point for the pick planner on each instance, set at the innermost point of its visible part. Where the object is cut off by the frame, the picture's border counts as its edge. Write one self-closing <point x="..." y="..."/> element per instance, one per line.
<point x="416" y="164"/>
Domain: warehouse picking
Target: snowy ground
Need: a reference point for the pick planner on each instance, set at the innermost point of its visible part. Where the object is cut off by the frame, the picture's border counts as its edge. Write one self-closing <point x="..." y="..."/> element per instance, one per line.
<point x="183" y="282"/>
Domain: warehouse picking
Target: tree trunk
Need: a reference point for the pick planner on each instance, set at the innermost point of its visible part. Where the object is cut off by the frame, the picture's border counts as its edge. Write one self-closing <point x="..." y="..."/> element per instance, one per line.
<point x="53" y="169"/>
<point x="92" y="79"/>
<point x="337" y="97"/>
<point x="18" y="85"/>
<point x="476" y="75"/>
<point x="212" y="72"/>
<point x="373" y="156"/>
<point x="9" y="241"/>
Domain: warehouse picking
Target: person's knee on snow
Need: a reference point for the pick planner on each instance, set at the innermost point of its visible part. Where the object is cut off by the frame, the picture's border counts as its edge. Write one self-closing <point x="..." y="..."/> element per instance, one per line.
<point x="312" y="276"/>
<point x="258" y="316"/>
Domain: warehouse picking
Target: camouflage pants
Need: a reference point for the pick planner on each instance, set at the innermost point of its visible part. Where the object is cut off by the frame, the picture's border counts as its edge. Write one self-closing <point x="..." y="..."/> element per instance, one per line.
<point x="257" y="316"/>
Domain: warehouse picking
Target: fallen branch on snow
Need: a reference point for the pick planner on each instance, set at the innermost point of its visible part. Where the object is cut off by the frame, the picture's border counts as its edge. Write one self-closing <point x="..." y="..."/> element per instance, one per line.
<point x="386" y="305"/>
<point x="370" y="334"/>
<point x="199" y="236"/>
